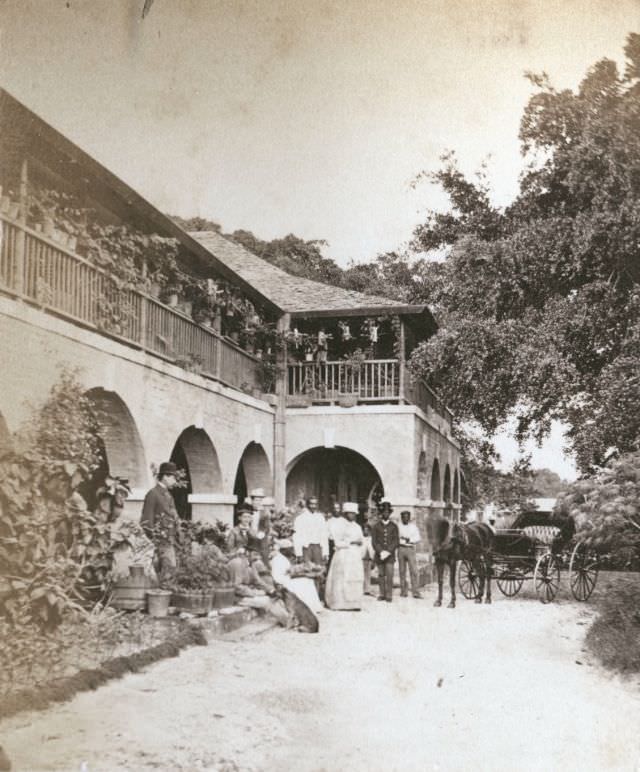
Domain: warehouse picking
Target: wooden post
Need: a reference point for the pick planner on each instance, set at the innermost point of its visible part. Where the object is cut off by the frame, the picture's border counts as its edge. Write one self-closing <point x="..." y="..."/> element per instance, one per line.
<point x="401" y="364"/>
<point x="21" y="236"/>
<point x="279" y="425"/>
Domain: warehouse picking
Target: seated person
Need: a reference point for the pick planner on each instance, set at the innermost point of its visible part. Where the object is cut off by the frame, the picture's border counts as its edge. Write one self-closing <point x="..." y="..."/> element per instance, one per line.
<point x="281" y="568"/>
<point x="244" y="575"/>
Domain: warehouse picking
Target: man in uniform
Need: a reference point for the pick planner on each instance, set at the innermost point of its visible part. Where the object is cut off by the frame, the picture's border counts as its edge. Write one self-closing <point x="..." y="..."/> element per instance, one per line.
<point x="160" y="520"/>
<point x="385" y="540"/>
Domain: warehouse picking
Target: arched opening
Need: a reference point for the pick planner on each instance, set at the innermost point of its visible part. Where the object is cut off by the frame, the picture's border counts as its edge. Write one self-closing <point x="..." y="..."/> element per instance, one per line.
<point x="446" y="493"/>
<point x="436" y="494"/>
<point x="334" y="472"/>
<point x="194" y="452"/>
<point x="422" y="491"/>
<point x="123" y="451"/>
<point x="456" y="487"/>
<point x="253" y="472"/>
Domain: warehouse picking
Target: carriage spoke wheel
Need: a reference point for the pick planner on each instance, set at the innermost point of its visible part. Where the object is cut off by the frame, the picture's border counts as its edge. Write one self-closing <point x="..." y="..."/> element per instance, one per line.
<point x="546" y="577"/>
<point x="510" y="581"/>
<point x="583" y="573"/>
<point x="468" y="580"/>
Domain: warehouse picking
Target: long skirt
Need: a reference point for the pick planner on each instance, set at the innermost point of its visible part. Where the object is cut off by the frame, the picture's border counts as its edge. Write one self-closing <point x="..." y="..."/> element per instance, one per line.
<point x="345" y="579"/>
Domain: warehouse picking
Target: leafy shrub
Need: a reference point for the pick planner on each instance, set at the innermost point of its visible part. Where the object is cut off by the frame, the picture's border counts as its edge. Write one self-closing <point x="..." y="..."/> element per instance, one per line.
<point x="614" y="637"/>
<point x="606" y="510"/>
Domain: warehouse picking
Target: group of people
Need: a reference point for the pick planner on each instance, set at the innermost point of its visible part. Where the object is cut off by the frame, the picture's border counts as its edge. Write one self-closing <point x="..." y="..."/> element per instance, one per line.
<point x="349" y="551"/>
<point x="327" y="560"/>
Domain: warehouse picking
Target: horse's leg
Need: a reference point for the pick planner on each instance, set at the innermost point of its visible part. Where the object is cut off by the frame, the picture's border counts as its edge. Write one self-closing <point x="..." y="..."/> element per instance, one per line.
<point x="488" y="567"/>
<point x="478" y="566"/>
<point x="452" y="581"/>
<point x="440" y="572"/>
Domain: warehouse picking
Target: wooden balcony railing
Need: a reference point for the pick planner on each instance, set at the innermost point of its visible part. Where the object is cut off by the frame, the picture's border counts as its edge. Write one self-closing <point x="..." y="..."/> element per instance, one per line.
<point x="37" y="270"/>
<point x="375" y="380"/>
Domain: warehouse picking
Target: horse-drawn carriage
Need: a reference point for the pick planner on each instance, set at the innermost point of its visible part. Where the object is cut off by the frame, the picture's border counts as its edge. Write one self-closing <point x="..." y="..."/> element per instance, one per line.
<point x="538" y="549"/>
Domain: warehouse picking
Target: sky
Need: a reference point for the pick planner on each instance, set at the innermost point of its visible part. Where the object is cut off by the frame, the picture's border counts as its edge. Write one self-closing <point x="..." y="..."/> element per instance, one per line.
<point x="304" y="116"/>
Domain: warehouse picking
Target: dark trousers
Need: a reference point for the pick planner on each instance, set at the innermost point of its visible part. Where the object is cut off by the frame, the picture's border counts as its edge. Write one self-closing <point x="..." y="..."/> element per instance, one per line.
<point x="385" y="578"/>
<point x="313" y="553"/>
<point x="407" y="557"/>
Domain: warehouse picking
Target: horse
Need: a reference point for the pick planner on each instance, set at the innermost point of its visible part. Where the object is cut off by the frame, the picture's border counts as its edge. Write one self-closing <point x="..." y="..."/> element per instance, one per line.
<point x="454" y="541"/>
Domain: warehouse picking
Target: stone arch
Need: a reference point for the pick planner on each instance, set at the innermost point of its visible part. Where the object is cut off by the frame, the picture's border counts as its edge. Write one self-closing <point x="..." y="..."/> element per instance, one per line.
<point x="446" y="489"/>
<point x="254" y="471"/>
<point x="436" y="490"/>
<point x="333" y="472"/>
<point x="195" y="453"/>
<point x="123" y="449"/>
<point x="422" y="491"/>
<point x="456" y="487"/>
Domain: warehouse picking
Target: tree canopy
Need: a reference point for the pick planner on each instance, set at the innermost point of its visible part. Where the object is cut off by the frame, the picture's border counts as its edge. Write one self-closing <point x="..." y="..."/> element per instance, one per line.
<point x="539" y="303"/>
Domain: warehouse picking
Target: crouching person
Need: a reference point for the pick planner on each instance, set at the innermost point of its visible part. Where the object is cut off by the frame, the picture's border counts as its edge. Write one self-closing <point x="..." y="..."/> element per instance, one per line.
<point x="295" y="598"/>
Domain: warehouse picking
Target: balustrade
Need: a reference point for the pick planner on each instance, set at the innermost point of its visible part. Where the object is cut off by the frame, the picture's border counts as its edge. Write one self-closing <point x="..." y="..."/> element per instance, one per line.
<point x="37" y="270"/>
<point x="374" y="380"/>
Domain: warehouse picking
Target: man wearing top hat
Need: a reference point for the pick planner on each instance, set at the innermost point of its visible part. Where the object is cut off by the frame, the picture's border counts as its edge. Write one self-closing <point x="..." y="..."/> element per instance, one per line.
<point x="385" y="540"/>
<point x="160" y="520"/>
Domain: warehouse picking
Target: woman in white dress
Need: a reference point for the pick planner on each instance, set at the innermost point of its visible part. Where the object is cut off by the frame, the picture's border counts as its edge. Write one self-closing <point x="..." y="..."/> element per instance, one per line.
<point x="302" y="586"/>
<point x="344" y="588"/>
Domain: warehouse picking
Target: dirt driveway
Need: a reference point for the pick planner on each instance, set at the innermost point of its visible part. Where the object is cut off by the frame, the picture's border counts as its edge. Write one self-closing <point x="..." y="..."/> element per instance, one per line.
<point x="400" y="686"/>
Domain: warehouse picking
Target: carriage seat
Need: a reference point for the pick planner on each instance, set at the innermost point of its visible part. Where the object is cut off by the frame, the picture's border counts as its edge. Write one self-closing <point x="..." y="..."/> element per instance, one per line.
<point x="545" y="534"/>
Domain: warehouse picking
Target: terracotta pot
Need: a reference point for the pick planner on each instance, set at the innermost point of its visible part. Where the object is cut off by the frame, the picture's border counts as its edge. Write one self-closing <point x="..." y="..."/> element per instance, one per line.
<point x="158" y="602"/>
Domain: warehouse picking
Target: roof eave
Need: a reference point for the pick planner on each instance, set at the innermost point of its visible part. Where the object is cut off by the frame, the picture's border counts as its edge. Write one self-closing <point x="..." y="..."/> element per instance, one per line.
<point x="134" y="199"/>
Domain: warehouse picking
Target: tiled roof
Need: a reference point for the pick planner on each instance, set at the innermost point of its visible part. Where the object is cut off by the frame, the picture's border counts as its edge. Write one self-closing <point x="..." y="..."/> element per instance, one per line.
<point x="290" y="293"/>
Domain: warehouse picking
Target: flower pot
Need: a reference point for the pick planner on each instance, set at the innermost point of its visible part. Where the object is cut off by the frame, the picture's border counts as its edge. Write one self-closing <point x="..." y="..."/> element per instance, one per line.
<point x="155" y="289"/>
<point x="308" y="357"/>
<point x="14" y="211"/>
<point x="72" y="243"/>
<point x="158" y="602"/>
<point x="208" y="322"/>
<point x="193" y="602"/>
<point x="225" y="595"/>
<point x="130" y="593"/>
<point x="348" y="400"/>
<point x="172" y="300"/>
<point x="187" y="307"/>
<point x="235" y="336"/>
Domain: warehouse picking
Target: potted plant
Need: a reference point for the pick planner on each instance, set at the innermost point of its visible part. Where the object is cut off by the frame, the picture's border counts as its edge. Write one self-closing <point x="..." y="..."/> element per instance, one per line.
<point x="195" y="581"/>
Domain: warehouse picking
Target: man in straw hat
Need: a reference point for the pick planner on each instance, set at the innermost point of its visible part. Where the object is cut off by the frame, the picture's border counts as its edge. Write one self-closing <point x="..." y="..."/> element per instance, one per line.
<point x="385" y="540"/>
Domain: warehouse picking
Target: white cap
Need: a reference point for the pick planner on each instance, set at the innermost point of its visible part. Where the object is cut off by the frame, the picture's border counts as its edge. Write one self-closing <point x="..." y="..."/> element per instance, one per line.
<point x="350" y="506"/>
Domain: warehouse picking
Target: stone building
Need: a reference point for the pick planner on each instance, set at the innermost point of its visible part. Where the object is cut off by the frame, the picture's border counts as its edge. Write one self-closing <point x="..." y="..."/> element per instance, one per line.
<point x="193" y="348"/>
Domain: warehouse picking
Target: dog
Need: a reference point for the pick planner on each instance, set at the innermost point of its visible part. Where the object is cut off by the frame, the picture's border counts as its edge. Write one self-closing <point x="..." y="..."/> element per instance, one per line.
<point x="299" y="615"/>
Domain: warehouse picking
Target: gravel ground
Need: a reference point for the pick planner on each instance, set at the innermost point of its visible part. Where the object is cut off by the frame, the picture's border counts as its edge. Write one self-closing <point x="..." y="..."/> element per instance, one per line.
<point x="396" y="686"/>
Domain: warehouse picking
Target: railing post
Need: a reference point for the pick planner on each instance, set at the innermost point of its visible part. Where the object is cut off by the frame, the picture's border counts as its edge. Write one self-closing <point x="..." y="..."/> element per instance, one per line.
<point x="401" y="363"/>
<point x="143" y="321"/>
<point x="279" y="425"/>
<point x="21" y="236"/>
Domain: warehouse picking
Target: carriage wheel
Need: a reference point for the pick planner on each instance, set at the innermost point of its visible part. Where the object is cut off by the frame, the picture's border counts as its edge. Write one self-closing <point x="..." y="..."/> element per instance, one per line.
<point x="468" y="580"/>
<point x="510" y="582"/>
<point x="583" y="572"/>
<point x="546" y="577"/>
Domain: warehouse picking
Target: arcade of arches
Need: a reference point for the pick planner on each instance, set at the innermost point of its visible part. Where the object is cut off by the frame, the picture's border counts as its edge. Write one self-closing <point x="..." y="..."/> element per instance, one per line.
<point x="333" y="472"/>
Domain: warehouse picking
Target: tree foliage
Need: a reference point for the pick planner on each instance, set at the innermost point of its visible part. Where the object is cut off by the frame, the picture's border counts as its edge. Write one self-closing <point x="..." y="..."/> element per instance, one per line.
<point x="606" y="509"/>
<point x="539" y="304"/>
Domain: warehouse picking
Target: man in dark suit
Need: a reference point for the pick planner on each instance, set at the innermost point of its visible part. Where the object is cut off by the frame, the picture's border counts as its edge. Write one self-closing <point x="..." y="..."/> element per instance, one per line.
<point x="385" y="540"/>
<point x="160" y="520"/>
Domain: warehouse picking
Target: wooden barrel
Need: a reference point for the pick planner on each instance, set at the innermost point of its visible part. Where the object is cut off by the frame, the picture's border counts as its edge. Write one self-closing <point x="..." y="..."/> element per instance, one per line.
<point x="130" y="594"/>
